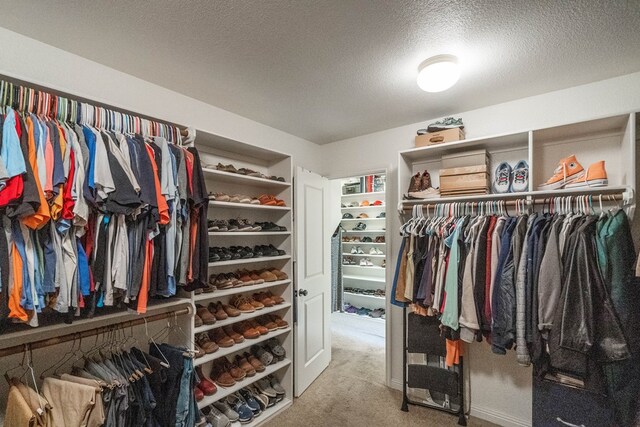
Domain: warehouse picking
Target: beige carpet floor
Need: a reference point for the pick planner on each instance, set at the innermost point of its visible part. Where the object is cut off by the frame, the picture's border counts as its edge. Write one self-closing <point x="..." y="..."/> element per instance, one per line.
<point x="351" y="392"/>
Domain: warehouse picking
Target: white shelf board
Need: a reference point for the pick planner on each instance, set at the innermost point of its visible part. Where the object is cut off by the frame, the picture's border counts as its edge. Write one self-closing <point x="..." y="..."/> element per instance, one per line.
<point x="364" y="296"/>
<point x="365" y="267"/>
<point x="239" y="290"/>
<point x="365" y="278"/>
<point x="369" y="318"/>
<point x="249" y="260"/>
<point x="269" y="413"/>
<point x="225" y="351"/>
<point x="249" y="233"/>
<point x="364" y="255"/>
<point x="522" y="195"/>
<point x="369" y="194"/>
<point x="236" y="178"/>
<point x="365" y="231"/>
<point x="363" y="243"/>
<point x="362" y="207"/>
<point x="243" y="316"/>
<point x="226" y="391"/>
<point x="518" y="140"/>
<point x="215" y="203"/>
<point x="362" y="219"/>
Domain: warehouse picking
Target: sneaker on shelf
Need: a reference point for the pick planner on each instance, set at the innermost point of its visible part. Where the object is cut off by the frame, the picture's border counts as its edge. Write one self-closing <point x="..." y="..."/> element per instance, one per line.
<point x="363" y="262"/>
<point x="347" y="216"/>
<point x="369" y="263"/>
<point x="444" y="124"/>
<point x="567" y="171"/>
<point x="359" y="250"/>
<point x="348" y="308"/>
<point x="367" y="239"/>
<point x="414" y="183"/>
<point x="502" y="179"/>
<point x="520" y="181"/>
<point x="426" y="189"/>
<point x="354" y="250"/>
<point x="361" y="226"/>
<point x="373" y="251"/>
<point x="381" y="215"/>
<point x="595" y="176"/>
<point x="245" y="414"/>
<point x="363" y="215"/>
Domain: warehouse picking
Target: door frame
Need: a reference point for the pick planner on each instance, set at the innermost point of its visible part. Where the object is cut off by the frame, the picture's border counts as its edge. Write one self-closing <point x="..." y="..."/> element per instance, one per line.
<point x="389" y="249"/>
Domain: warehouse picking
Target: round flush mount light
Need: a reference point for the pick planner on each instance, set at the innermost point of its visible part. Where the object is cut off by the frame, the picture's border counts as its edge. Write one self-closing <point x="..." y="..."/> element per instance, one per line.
<point x="438" y="73"/>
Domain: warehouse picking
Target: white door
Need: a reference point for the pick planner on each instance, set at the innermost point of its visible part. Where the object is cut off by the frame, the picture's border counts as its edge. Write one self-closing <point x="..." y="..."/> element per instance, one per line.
<point x="312" y="278"/>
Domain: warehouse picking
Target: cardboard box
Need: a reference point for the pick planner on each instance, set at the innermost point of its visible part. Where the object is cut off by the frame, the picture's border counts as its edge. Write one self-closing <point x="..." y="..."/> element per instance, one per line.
<point x="468" y="158"/>
<point x="433" y="138"/>
<point x="464" y="180"/>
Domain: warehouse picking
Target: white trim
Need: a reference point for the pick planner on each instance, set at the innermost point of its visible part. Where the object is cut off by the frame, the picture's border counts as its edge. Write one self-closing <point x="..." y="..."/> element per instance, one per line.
<point x="498" y="417"/>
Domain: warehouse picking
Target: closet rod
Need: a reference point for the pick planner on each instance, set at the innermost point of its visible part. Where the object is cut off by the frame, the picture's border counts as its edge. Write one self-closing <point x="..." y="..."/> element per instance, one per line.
<point x="88" y="333"/>
<point x="184" y="132"/>
<point x="609" y="198"/>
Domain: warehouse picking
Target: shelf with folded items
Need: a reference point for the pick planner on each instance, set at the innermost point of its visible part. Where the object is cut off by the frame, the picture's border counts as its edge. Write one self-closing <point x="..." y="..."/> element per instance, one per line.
<point x="219" y="293"/>
<point x="249" y="260"/>
<point x="216" y="203"/>
<point x="236" y="178"/>
<point x="249" y="233"/>
<point x="242" y="317"/>
<point x="247" y="343"/>
<point x="226" y="391"/>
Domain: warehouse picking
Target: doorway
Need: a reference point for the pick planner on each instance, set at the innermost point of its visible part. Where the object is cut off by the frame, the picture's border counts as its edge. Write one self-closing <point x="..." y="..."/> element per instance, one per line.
<point x="359" y="267"/>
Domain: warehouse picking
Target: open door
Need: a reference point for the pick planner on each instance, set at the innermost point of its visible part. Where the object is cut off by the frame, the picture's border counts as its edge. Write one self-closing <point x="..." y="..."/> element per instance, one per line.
<point x="312" y="278"/>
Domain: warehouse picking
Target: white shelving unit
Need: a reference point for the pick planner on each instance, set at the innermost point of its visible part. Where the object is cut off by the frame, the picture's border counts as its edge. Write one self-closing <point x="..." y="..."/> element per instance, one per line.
<point x="611" y="139"/>
<point x="270" y="163"/>
<point x="371" y="277"/>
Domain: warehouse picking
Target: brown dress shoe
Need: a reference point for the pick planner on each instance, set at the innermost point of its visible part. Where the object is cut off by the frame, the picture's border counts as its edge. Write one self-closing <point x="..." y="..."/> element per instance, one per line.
<point x="205" y="343"/>
<point x="236" y="337"/>
<point x="219" y="337"/>
<point x="242" y="303"/>
<point x="220" y="375"/>
<point x="220" y="281"/>
<point x="237" y="373"/>
<point x="256" y="304"/>
<point x="205" y="315"/>
<point x="245" y="277"/>
<point x="256" y="278"/>
<point x="282" y="324"/>
<point x="246" y="330"/>
<point x="281" y="275"/>
<point x="231" y="311"/>
<point x="217" y="310"/>
<point x="197" y="321"/>
<point x="244" y="364"/>
<point x="258" y="327"/>
<point x="199" y="351"/>
<point x="264" y="321"/>
<point x="276" y="298"/>
<point x="254" y="361"/>
<point x="268" y="276"/>
<point x="263" y="299"/>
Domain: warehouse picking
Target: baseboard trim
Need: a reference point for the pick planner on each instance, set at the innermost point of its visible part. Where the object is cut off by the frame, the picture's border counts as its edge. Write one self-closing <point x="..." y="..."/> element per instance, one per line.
<point x="395" y="384"/>
<point x="498" y="417"/>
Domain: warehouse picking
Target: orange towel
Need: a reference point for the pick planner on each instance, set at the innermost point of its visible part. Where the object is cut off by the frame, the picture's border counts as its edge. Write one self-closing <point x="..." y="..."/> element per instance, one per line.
<point x="454" y="352"/>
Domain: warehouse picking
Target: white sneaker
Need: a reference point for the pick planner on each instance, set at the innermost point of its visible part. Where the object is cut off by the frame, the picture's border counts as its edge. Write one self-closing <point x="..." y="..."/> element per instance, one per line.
<point x="354" y="250"/>
<point x="379" y="252"/>
<point x="429" y="193"/>
<point x="359" y="250"/>
<point x="369" y="263"/>
<point x="363" y="262"/>
<point x="372" y="251"/>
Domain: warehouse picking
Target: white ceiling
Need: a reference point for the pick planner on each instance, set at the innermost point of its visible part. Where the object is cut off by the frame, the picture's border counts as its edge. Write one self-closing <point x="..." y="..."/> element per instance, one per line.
<point x="332" y="69"/>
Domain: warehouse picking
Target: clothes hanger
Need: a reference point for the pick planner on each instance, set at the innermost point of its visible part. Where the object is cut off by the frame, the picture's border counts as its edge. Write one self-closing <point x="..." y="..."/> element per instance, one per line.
<point x="65" y="358"/>
<point x="20" y="366"/>
<point x="165" y="363"/>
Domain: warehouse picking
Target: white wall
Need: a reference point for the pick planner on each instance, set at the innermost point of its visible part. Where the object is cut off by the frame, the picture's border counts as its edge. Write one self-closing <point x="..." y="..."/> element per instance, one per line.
<point x="500" y="389"/>
<point x="30" y="60"/>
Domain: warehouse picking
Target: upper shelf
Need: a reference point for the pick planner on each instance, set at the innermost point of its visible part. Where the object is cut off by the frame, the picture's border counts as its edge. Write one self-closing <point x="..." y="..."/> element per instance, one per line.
<point x="363" y="207"/>
<point x="369" y="194"/>
<point x="504" y="141"/>
<point x="247" y="206"/>
<point x="236" y="178"/>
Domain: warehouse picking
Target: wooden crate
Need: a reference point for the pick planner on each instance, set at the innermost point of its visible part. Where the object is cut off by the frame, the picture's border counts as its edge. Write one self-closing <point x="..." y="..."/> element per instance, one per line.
<point x="464" y="180"/>
<point x="433" y="138"/>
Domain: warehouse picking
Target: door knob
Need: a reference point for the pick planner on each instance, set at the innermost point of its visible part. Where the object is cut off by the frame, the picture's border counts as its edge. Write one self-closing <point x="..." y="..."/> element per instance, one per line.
<point x="303" y="292"/>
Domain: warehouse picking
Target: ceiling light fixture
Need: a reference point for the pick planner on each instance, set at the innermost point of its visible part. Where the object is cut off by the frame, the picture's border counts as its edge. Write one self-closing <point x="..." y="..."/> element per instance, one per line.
<point x="438" y="73"/>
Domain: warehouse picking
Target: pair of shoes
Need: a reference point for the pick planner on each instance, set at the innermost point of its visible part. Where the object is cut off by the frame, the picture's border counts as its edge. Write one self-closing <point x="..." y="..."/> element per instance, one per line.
<point x="420" y="187"/>
<point x="239" y="224"/>
<point x="361" y="226"/>
<point x="379" y="239"/>
<point x="357" y="250"/>
<point x="365" y="262"/>
<point x="270" y="352"/>
<point x="444" y="124"/>
<point x="348" y="308"/>
<point x="571" y="174"/>
<point x="511" y="180"/>
<point x="225" y="373"/>
<point x="270" y="200"/>
<point x="381" y="215"/>
<point x="350" y="239"/>
<point x="347" y="260"/>
<point x="271" y="226"/>
<point x="375" y="251"/>
<point x="362" y="216"/>
<point x="347" y="216"/>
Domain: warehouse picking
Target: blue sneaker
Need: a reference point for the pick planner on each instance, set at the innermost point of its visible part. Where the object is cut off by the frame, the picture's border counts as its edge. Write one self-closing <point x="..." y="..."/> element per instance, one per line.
<point x="252" y="403"/>
<point x="520" y="181"/>
<point x="237" y="403"/>
<point x="502" y="180"/>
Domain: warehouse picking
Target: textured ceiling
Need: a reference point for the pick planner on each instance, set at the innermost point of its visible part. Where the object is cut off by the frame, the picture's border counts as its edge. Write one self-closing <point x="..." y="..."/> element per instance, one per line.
<point x="331" y="69"/>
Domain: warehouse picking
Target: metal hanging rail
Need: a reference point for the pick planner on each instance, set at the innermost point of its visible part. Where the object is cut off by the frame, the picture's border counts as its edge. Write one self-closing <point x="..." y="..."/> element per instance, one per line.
<point x="47" y="342"/>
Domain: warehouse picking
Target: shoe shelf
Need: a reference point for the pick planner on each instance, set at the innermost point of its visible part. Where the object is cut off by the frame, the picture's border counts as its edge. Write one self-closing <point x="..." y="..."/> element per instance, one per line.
<point x="269" y="413"/>
<point x="363" y="243"/>
<point x="249" y="260"/>
<point x="247" y="343"/>
<point x="364" y="295"/>
<point x="358" y="207"/>
<point x="368" y="318"/>
<point x="364" y="278"/>
<point x="226" y="391"/>
<point x="361" y="219"/>
<point x="365" y="231"/>
<point x="365" y="267"/>
<point x="249" y="233"/>
<point x="364" y="255"/>
<point x="243" y="316"/>
<point x="236" y="178"/>
<point x="247" y="206"/>
<point x="239" y="290"/>
<point x="370" y="194"/>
